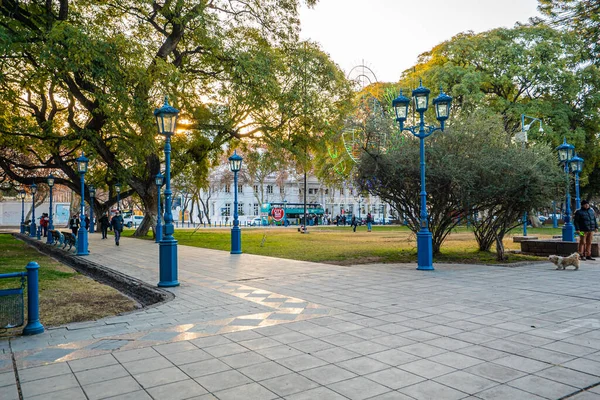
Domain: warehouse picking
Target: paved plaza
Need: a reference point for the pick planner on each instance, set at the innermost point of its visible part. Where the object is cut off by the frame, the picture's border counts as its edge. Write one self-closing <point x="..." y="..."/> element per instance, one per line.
<point x="252" y="327"/>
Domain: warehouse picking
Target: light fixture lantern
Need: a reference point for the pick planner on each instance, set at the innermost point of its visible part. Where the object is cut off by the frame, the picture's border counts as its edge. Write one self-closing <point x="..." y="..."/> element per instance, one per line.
<point x="50" y="180"/>
<point x="442" y="106"/>
<point x="118" y="187"/>
<point x="33" y="188"/>
<point x="159" y="179"/>
<point x="21" y="194"/>
<point x="82" y="163"/>
<point x="400" y="105"/>
<point x="565" y="151"/>
<point x="576" y="164"/>
<point x="166" y="118"/>
<point x="235" y="162"/>
<point x="92" y="191"/>
<point x="421" y="96"/>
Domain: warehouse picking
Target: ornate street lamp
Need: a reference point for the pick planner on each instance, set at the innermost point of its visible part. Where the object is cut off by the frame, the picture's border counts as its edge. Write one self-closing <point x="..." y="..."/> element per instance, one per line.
<point x="235" y="164"/>
<point x="442" y="110"/>
<point x="166" y="121"/>
<point x="576" y="165"/>
<point x="92" y="190"/>
<point x="50" y="239"/>
<point x="566" y="152"/>
<point x="118" y="190"/>
<point x="32" y="226"/>
<point x="82" y="234"/>
<point x="522" y="137"/>
<point x="159" y="179"/>
<point x="21" y="196"/>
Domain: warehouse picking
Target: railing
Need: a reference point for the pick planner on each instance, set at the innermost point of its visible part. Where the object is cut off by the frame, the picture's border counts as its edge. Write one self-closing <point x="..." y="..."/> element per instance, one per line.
<point x="12" y="305"/>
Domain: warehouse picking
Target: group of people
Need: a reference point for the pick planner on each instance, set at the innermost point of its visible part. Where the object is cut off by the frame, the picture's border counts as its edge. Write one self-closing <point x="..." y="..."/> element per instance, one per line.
<point x="115" y="224"/>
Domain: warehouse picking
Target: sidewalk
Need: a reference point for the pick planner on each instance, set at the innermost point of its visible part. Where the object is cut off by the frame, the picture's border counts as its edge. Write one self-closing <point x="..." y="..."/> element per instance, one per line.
<point x="253" y="327"/>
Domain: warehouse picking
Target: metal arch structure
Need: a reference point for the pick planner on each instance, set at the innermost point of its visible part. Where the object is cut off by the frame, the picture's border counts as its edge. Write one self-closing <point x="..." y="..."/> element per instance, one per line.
<point x="362" y="75"/>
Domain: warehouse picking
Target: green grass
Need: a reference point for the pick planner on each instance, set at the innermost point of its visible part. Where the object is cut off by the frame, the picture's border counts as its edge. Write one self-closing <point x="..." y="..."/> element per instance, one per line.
<point x="339" y="245"/>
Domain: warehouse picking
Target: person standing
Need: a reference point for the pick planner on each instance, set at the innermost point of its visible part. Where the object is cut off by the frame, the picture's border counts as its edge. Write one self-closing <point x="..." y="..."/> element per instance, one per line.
<point x="87" y="222"/>
<point x="585" y="226"/>
<point x="354" y="223"/>
<point x="369" y="222"/>
<point x="44" y="221"/>
<point x="117" y="225"/>
<point x="104" y="223"/>
<point x="74" y="224"/>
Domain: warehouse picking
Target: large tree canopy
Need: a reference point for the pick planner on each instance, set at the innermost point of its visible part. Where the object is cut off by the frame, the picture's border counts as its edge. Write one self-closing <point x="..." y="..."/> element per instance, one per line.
<point x="85" y="76"/>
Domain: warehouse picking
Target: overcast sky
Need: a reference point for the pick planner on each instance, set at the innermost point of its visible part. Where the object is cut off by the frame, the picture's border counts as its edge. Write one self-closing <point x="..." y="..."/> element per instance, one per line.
<point x="389" y="34"/>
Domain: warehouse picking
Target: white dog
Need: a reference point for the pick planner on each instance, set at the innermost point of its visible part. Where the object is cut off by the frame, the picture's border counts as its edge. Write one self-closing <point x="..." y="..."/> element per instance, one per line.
<point x="563" y="262"/>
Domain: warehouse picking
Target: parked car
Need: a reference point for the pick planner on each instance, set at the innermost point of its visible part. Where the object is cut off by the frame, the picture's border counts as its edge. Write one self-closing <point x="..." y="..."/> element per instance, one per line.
<point x="133" y="220"/>
<point x="256" y="222"/>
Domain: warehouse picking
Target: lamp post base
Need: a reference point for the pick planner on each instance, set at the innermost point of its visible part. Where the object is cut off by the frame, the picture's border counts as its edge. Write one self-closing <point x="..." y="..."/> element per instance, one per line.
<point x="82" y="243"/>
<point x="168" y="263"/>
<point x="424" y="251"/>
<point x="158" y="234"/>
<point x="568" y="233"/>
<point x="236" y="240"/>
<point x="32" y="229"/>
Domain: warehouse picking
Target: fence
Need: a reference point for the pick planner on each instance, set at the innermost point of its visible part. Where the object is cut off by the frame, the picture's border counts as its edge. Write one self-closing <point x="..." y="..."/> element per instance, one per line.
<point x="12" y="304"/>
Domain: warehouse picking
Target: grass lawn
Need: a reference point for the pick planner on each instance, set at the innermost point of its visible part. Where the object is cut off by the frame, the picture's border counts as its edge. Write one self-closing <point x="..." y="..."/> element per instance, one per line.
<point x="339" y="245"/>
<point x="65" y="295"/>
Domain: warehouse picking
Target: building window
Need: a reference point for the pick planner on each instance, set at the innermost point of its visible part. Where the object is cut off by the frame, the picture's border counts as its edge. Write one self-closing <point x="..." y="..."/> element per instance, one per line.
<point x="255" y="209"/>
<point x="269" y="189"/>
<point x="227" y="189"/>
<point x="281" y="189"/>
<point x="240" y="208"/>
<point x="255" y="188"/>
<point x="342" y="191"/>
<point x="313" y="191"/>
<point x="240" y="188"/>
<point x="381" y="209"/>
<point x="227" y="210"/>
<point x="213" y="208"/>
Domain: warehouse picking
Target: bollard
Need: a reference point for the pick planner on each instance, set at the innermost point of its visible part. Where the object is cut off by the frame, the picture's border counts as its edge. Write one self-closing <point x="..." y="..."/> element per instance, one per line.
<point x="34" y="326"/>
<point x="39" y="233"/>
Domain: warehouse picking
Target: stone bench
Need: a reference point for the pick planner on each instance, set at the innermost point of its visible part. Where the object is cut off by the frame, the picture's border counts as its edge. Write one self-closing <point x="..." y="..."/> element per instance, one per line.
<point x="519" y="239"/>
<point x="553" y="247"/>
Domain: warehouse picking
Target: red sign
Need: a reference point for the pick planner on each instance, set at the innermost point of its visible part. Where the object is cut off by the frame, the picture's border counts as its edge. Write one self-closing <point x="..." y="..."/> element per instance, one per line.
<point x="278" y="214"/>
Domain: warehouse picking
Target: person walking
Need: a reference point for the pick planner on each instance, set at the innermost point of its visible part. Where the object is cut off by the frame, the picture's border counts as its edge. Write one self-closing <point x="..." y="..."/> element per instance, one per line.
<point x="87" y="222"/>
<point x="585" y="226"/>
<point x="369" y="222"/>
<point x="74" y="224"/>
<point x="354" y="223"/>
<point x="117" y="225"/>
<point x="104" y="223"/>
<point x="44" y="221"/>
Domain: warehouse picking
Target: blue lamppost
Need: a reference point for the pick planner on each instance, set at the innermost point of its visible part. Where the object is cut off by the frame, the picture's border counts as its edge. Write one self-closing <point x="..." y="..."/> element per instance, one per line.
<point x="565" y="155"/>
<point x="158" y="180"/>
<point x="32" y="226"/>
<point x="82" y="234"/>
<point x="576" y="165"/>
<point x="50" y="239"/>
<point x="166" y="120"/>
<point x="21" y="196"/>
<point x="554" y="218"/>
<point x="118" y="190"/>
<point x="235" y="164"/>
<point x="523" y="139"/>
<point x="92" y="190"/>
<point x="442" y="110"/>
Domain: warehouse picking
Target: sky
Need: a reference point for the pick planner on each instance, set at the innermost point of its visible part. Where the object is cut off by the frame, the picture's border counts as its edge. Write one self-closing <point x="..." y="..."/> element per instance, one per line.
<point x="389" y="35"/>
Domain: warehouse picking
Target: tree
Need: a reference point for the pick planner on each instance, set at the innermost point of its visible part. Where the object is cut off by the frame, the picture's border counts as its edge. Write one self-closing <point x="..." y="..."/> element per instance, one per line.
<point x="79" y="75"/>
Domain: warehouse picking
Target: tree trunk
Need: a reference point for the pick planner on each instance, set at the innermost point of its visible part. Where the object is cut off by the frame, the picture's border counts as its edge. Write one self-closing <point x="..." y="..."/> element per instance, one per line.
<point x="150" y="204"/>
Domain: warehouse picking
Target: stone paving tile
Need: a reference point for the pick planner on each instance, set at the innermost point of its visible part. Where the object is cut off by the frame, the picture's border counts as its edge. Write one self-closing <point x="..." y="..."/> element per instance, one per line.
<point x="173" y="348"/>
<point x="569" y="348"/>
<point x="301" y="362"/>
<point x="542" y="387"/>
<point x="422" y="350"/>
<point x="427" y="369"/>
<point x="75" y="393"/>
<point x="245" y="359"/>
<point x="569" y="377"/>
<point x="251" y="391"/>
<point x="584" y="365"/>
<point x="278" y="352"/>
<point x="288" y="384"/>
<point x="11" y="393"/>
<point x="495" y="372"/>
<point x="47" y="385"/>
<point x="362" y="365"/>
<point x="522" y="364"/>
<point x="101" y="374"/>
<point x="160" y="377"/>
<point x="137" y="395"/>
<point x="432" y="390"/>
<point x="504" y="392"/>
<point x="47" y="371"/>
<point x="134" y="355"/>
<point x="465" y="382"/>
<point x="205" y="367"/>
<point x="328" y="374"/>
<point x="222" y="380"/>
<point x="266" y="370"/>
<point x="358" y="388"/>
<point x="147" y="365"/>
<point x="482" y="353"/>
<point x="92" y="362"/>
<point x="394" y="357"/>
<point x="586" y="396"/>
<point x="316" y="393"/>
<point x="7" y="378"/>
<point x="456" y="360"/>
<point x="188" y="357"/>
<point x="110" y="388"/>
<point x="394" y="378"/>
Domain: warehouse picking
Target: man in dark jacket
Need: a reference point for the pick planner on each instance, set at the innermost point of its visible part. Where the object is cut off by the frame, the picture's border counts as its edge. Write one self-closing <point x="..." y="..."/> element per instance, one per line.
<point x="117" y="225"/>
<point x="585" y="226"/>
<point x="104" y="223"/>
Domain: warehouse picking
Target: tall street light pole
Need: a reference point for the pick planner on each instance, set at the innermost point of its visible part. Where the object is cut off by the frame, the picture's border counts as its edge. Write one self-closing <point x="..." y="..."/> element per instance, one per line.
<point x="118" y="190"/>
<point x="159" y="179"/>
<point x="566" y="152"/>
<point x="21" y="196"/>
<point x="235" y="164"/>
<point x="576" y="165"/>
<point x="523" y="139"/>
<point x="442" y="110"/>
<point x="32" y="226"/>
<point x="82" y="234"/>
<point x="166" y="121"/>
<point x="50" y="239"/>
<point x="92" y="196"/>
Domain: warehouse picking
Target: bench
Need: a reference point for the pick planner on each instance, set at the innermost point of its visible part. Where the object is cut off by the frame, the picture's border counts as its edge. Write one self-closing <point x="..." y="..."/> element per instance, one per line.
<point x="553" y="247"/>
<point x="69" y="239"/>
<point x="57" y="237"/>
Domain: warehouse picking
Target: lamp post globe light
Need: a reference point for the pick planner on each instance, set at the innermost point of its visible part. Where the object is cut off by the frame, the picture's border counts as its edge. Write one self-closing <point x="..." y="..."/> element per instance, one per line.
<point x="566" y="152"/>
<point x="50" y="239"/>
<point x="92" y="190"/>
<point x="159" y="179"/>
<point x="235" y="164"/>
<point x="32" y="226"/>
<point x="166" y="121"/>
<point x="576" y="165"/>
<point x="21" y="195"/>
<point x="442" y="110"/>
<point x="82" y="234"/>
<point x="118" y="190"/>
